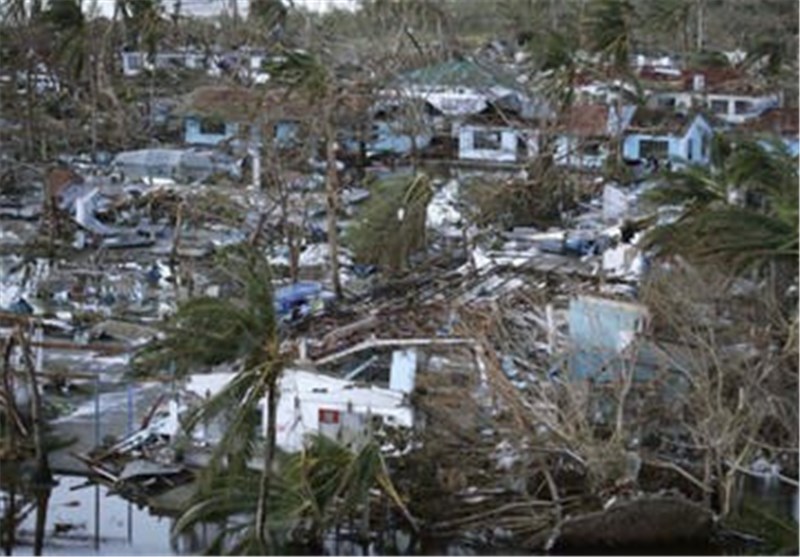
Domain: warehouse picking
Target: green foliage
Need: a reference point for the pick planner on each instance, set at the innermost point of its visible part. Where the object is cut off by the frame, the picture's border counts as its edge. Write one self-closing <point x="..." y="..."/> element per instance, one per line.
<point x="300" y="70"/>
<point x="63" y="15"/>
<point x="707" y="59"/>
<point x="207" y="331"/>
<point x="609" y="29"/>
<point x="762" y="228"/>
<point x="268" y="13"/>
<point x="313" y="490"/>
<point x="381" y="236"/>
<point x="756" y="518"/>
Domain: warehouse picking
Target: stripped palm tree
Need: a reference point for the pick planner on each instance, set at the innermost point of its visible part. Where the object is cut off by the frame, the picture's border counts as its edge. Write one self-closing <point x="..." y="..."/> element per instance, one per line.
<point x="208" y="331"/>
<point x="609" y="29"/>
<point x="307" y="75"/>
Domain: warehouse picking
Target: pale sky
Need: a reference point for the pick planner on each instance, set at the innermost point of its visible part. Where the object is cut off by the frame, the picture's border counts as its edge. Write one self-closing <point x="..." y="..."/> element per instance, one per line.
<point x="206" y="8"/>
<point x="322" y="5"/>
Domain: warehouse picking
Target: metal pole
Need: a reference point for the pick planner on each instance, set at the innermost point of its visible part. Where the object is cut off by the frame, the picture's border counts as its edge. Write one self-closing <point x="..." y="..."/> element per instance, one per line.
<point x="130" y="409"/>
<point x="130" y="431"/>
<point x="97" y="411"/>
<point x="97" y="444"/>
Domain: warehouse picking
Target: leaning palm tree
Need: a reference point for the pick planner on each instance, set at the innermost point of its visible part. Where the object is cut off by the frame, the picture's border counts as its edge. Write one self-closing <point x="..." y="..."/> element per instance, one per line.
<point x="242" y="327"/>
<point x="756" y="231"/>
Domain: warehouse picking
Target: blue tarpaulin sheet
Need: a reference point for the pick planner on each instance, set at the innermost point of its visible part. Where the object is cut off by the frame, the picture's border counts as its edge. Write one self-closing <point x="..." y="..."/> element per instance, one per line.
<point x="289" y="297"/>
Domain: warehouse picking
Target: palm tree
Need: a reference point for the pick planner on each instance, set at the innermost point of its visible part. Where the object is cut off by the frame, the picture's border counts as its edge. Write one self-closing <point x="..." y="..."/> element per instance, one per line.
<point x="317" y="489"/>
<point x="208" y="331"/>
<point x="756" y="231"/>
<point x="307" y="75"/>
<point x="392" y="225"/>
<point x="609" y="30"/>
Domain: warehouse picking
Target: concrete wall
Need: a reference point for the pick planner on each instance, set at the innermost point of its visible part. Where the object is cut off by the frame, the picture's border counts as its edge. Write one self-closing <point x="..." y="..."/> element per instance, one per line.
<point x="758" y="104"/>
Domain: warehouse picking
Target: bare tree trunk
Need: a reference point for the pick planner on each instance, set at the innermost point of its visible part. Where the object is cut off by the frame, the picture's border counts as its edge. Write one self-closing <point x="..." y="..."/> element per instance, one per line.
<point x="42" y="500"/>
<point x="262" y="533"/>
<point x="332" y="190"/>
<point x="93" y="92"/>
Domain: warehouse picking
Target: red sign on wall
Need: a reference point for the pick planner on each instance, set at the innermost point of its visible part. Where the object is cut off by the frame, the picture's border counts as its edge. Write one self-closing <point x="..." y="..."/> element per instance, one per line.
<point x="327" y="416"/>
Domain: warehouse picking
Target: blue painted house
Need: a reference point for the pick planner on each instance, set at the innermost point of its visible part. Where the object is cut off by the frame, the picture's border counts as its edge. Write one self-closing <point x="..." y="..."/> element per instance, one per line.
<point x="216" y="114"/>
<point x="606" y="337"/>
<point x="668" y="137"/>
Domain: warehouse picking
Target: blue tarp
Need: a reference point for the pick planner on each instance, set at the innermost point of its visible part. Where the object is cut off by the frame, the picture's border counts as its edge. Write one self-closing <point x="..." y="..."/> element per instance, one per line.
<point x="295" y="295"/>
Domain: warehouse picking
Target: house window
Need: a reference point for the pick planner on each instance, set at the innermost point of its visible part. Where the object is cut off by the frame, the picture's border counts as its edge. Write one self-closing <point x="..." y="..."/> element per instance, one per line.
<point x="667" y="102"/>
<point x="486" y="140"/>
<point x="591" y="148"/>
<point x="719" y="107"/>
<point x="653" y="148"/>
<point x="742" y="107"/>
<point x="689" y="149"/>
<point x="212" y="126"/>
<point x="134" y="61"/>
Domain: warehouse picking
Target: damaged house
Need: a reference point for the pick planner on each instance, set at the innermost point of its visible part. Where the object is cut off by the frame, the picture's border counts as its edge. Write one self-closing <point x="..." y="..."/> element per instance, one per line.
<point x="727" y="93"/>
<point x="667" y="137"/>
<point x="584" y="132"/>
<point x="478" y="113"/>
<point x="217" y="116"/>
<point x="496" y="134"/>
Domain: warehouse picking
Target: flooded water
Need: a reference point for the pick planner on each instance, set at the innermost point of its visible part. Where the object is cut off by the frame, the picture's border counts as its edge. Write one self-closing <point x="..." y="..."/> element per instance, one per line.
<point x="85" y="519"/>
<point x="90" y="521"/>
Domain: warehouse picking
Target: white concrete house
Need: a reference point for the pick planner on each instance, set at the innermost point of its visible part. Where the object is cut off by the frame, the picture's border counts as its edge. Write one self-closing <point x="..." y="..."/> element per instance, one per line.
<point x="727" y="94"/>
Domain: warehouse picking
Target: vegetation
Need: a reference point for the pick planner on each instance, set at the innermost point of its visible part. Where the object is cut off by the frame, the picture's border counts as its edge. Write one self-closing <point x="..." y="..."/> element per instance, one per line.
<point x="207" y="331"/>
<point x="723" y="326"/>
<point x="741" y="212"/>
<point x="391" y="226"/>
<point x="314" y="490"/>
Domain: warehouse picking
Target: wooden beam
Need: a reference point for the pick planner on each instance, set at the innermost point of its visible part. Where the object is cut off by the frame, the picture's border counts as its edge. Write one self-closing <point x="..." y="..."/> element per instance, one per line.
<point x="383" y="343"/>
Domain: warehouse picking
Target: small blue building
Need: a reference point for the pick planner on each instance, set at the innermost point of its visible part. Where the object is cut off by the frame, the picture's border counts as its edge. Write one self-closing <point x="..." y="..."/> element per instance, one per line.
<point x="606" y="337"/>
<point x="217" y="114"/>
<point x="666" y="136"/>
